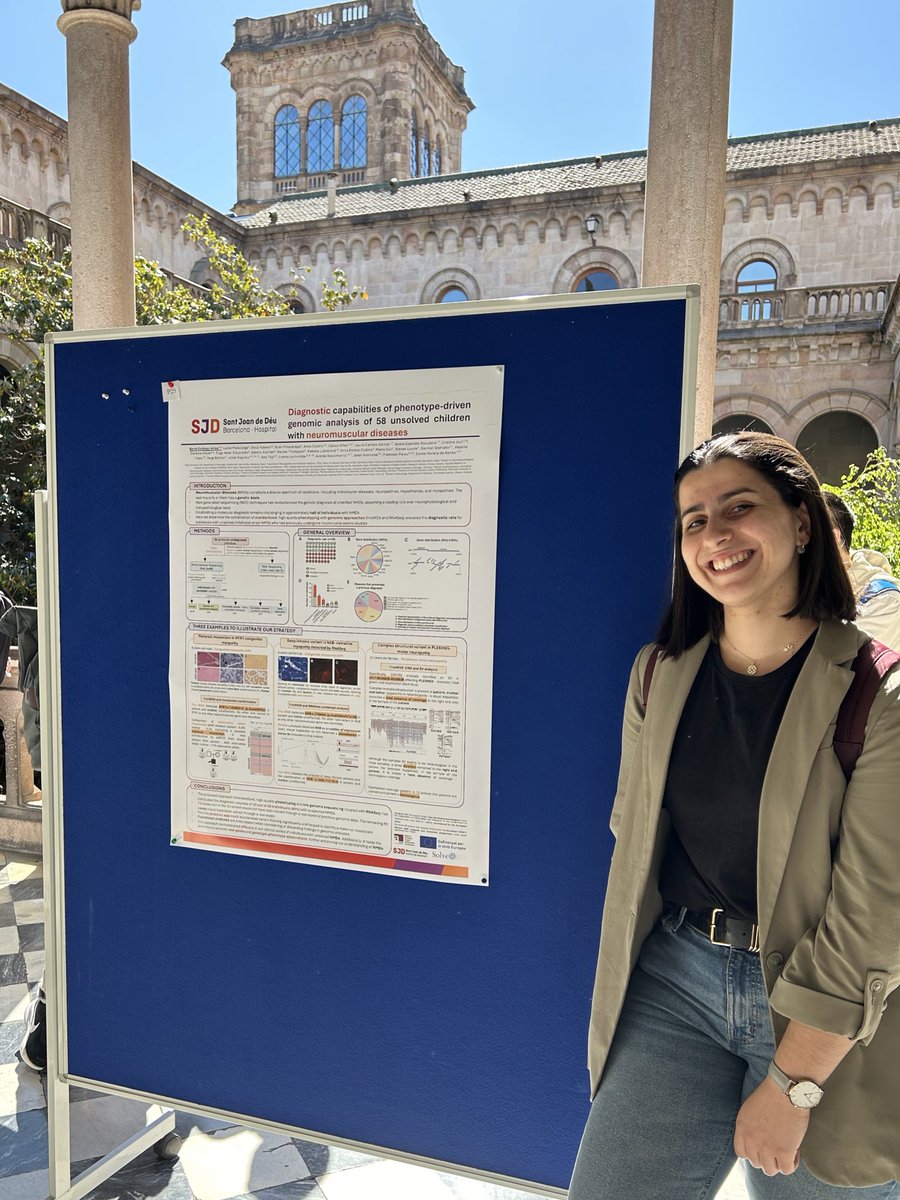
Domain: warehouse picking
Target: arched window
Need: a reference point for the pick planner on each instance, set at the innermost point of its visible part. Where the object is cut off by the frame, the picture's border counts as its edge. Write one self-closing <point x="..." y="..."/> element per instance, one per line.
<point x="756" y="277"/>
<point x="833" y="441"/>
<point x="320" y="138"/>
<point x="438" y="157"/>
<point x="353" y="132"/>
<point x="413" y="147"/>
<point x="452" y="294"/>
<point x="737" y="422"/>
<point x="597" y="280"/>
<point x="426" y="154"/>
<point x="287" y="141"/>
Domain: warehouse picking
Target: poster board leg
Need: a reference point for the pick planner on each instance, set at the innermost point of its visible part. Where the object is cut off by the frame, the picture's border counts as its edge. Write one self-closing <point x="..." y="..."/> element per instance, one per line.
<point x="54" y="976"/>
<point x="85" y="1183"/>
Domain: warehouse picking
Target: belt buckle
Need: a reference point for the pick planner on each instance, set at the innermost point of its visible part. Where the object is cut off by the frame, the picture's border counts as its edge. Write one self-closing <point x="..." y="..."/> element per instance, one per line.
<point x="754" y="933"/>
<point x="712" y="927"/>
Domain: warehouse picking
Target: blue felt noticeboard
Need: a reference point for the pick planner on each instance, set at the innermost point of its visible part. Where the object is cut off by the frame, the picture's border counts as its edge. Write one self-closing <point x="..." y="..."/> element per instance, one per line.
<point x="434" y="1020"/>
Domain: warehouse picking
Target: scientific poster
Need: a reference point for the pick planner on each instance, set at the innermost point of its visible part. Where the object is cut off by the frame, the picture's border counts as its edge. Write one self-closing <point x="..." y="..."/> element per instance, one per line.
<point x="332" y="558"/>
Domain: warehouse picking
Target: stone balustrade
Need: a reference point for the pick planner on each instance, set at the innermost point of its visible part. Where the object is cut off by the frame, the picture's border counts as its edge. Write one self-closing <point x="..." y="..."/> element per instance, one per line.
<point x="18" y="223"/>
<point x="252" y="33"/>
<point x="852" y="302"/>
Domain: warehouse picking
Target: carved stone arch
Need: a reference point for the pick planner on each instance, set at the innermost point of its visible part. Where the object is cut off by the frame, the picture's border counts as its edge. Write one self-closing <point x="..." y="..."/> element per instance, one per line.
<point x="354" y="86"/>
<point x="532" y="231"/>
<point x="511" y="233"/>
<point x="598" y="258"/>
<point x="340" y="254"/>
<point x="860" y="189"/>
<point x="393" y="246"/>
<point x="297" y="291"/>
<point x="375" y="247"/>
<point x="411" y="243"/>
<point x="446" y="278"/>
<point x="616" y="214"/>
<point x="21" y="142"/>
<point x="867" y="405"/>
<point x="554" y="225"/>
<point x="287" y="95"/>
<point x="431" y="243"/>
<point x="810" y="193"/>
<point x="59" y="212"/>
<point x="357" y="250"/>
<point x="761" y="200"/>
<point x="57" y="159"/>
<point x="766" y="248"/>
<point x="470" y="233"/>
<point x="321" y="252"/>
<point x="16" y="354"/>
<point x="752" y="404"/>
<point x="845" y="442"/>
<point x="886" y="189"/>
<point x="735" y="209"/>
<point x="271" y="255"/>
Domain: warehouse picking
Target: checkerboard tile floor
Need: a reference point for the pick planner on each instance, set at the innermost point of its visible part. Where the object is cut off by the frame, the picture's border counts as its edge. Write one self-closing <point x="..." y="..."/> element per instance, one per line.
<point x="217" y="1161"/>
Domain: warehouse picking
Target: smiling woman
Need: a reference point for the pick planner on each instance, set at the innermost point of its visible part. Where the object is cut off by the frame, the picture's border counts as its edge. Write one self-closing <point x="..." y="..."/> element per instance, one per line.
<point x="743" y="953"/>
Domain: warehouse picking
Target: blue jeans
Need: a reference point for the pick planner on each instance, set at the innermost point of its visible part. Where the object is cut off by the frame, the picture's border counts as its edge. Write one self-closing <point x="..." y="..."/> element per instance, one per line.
<point x="694" y="1040"/>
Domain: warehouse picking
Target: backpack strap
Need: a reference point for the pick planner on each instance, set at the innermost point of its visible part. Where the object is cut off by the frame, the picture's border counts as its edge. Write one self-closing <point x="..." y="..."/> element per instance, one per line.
<point x="872" y="663"/>
<point x="648" y="674"/>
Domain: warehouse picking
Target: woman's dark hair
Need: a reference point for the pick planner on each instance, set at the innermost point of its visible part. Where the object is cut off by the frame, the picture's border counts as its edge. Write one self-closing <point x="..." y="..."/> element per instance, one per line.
<point x="825" y="588"/>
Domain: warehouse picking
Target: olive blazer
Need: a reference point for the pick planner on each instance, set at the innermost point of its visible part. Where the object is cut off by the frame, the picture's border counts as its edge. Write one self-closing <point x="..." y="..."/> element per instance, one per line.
<point x="828" y="889"/>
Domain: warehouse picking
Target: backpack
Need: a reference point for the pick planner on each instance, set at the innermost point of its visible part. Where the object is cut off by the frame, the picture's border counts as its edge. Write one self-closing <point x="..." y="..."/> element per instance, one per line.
<point x="872" y="663"/>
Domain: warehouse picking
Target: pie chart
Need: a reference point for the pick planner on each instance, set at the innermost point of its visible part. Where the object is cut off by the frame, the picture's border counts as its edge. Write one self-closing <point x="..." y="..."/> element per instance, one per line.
<point x="368" y="606"/>
<point x="370" y="559"/>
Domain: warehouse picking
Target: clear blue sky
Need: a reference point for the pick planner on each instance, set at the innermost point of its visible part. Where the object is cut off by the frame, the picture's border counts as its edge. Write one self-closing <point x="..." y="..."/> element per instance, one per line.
<point x="553" y="79"/>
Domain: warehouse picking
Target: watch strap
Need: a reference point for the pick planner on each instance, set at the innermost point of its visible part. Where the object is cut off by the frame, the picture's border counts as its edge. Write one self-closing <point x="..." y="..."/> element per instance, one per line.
<point x="785" y="1083"/>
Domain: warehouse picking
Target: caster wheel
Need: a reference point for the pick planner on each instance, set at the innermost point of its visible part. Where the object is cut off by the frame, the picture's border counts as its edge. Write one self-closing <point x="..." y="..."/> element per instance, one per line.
<point x="168" y="1147"/>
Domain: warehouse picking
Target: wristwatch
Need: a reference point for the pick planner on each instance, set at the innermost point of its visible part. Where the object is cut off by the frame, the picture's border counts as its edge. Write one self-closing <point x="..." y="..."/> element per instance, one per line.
<point x="802" y="1093"/>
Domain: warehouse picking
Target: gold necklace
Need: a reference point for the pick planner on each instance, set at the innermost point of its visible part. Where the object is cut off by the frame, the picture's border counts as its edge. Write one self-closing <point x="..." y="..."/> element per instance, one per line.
<point x="753" y="667"/>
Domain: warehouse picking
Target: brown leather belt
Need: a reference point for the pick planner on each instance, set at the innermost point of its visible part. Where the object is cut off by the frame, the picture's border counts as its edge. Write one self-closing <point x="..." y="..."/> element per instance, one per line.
<point x="723" y="930"/>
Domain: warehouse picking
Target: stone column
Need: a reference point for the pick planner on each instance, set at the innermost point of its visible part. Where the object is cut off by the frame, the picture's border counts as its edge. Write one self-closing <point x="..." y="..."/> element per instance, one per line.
<point x="685" y="196"/>
<point x="98" y="34"/>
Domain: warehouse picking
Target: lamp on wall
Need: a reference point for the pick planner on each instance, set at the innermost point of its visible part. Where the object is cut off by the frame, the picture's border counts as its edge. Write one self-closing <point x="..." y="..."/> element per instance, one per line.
<point x="590" y="224"/>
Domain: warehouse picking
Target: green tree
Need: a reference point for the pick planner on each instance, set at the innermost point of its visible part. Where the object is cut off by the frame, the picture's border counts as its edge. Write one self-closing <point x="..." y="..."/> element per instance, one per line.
<point x="872" y="493"/>
<point x="36" y="298"/>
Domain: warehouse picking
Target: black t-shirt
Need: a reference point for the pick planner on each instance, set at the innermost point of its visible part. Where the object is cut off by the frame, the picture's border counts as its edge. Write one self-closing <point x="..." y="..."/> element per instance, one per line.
<point x="716" y="771"/>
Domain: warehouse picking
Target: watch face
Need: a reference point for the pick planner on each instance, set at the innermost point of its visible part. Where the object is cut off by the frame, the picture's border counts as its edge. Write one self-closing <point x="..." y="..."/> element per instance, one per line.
<point x="805" y="1094"/>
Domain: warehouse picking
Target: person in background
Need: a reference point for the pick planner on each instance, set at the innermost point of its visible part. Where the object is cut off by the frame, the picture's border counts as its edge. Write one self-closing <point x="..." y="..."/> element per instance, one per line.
<point x="877" y="590"/>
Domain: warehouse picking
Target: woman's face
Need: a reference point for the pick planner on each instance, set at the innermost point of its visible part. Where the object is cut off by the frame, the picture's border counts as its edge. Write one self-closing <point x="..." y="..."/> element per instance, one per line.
<point x="739" y="539"/>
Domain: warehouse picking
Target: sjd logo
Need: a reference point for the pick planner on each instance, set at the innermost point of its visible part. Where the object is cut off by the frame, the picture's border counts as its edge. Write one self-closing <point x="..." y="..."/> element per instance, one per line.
<point x="206" y="425"/>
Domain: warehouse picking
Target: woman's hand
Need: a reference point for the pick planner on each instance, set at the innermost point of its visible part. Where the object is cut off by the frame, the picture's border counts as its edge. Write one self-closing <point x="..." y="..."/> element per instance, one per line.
<point x="769" y="1130"/>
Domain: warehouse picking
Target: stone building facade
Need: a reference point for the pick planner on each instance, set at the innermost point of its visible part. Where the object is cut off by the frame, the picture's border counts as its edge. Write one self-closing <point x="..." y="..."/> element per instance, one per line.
<point x="360" y="90"/>
<point x="349" y="120"/>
